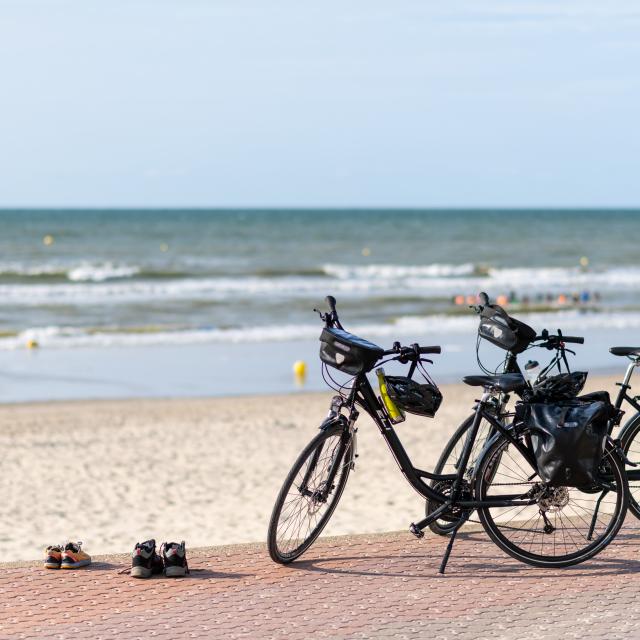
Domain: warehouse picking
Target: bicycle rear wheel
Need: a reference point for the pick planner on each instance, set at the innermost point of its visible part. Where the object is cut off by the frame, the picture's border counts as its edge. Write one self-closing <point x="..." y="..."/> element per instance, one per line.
<point x="310" y="494"/>
<point x="565" y="525"/>
<point x="630" y="437"/>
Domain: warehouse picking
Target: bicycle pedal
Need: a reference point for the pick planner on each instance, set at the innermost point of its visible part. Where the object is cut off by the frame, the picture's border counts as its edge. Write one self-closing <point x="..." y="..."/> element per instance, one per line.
<point x="416" y="531"/>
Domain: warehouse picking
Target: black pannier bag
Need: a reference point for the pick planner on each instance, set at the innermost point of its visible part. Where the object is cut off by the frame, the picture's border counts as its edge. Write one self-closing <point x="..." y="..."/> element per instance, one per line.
<point x="603" y="396"/>
<point x="499" y="328"/>
<point x="568" y="440"/>
<point x="348" y="353"/>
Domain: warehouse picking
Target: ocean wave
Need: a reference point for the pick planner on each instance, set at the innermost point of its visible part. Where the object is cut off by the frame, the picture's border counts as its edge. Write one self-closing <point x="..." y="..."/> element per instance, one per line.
<point x="393" y="271"/>
<point x="424" y="328"/>
<point x="554" y="277"/>
<point x="79" y="272"/>
<point x="120" y="283"/>
<point x="18" y="269"/>
<point x="101" y="272"/>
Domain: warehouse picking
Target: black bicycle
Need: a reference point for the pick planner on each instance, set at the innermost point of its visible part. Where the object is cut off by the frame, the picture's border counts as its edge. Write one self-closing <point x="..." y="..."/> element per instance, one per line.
<point x="542" y="525"/>
<point x="629" y="435"/>
<point x="557" y="372"/>
<point x="572" y="382"/>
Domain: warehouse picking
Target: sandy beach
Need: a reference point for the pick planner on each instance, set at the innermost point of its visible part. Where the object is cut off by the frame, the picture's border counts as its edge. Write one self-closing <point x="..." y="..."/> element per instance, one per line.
<point x="111" y="473"/>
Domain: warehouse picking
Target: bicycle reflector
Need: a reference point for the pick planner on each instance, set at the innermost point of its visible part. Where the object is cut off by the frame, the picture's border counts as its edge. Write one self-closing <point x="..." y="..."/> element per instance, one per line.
<point x="396" y="415"/>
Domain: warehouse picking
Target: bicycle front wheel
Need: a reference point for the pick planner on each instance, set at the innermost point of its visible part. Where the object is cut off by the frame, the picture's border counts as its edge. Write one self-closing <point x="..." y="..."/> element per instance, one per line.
<point x="564" y="525"/>
<point x="310" y="494"/>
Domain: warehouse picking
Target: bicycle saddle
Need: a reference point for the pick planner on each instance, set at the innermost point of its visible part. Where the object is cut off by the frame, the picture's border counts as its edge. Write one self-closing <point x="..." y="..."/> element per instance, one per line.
<point x="625" y="351"/>
<point x="503" y="381"/>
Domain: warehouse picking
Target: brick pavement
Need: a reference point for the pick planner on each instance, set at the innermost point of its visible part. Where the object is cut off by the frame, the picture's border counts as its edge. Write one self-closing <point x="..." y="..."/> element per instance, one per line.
<point x="377" y="586"/>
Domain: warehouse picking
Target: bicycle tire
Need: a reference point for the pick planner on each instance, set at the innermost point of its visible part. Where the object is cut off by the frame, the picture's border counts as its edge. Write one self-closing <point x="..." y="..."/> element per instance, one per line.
<point x="578" y="515"/>
<point x="631" y="446"/>
<point x="276" y="551"/>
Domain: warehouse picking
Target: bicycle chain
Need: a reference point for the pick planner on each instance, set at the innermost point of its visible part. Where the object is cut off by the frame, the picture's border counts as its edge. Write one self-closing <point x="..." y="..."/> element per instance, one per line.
<point x="510" y="484"/>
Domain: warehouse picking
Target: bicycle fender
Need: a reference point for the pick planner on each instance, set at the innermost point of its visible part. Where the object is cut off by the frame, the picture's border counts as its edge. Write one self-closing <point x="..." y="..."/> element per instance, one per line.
<point x="332" y="420"/>
<point x="483" y="451"/>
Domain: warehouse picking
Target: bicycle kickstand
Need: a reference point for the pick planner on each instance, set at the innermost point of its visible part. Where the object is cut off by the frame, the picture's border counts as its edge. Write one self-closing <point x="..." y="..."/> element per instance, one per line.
<point x="447" y="552"/>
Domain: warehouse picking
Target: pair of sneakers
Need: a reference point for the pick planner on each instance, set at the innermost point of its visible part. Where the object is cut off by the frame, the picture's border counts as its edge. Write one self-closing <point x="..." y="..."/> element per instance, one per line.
<point x="172" y="560"/>
<point x="66" y="556"/>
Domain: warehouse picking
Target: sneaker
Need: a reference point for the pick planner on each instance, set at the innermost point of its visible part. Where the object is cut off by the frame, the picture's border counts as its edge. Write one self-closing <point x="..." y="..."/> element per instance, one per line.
<point x="174" y="556"/>
<point x="73" y="556"/>
<point x="54" y="556"/>
<point x="144" y="560"/>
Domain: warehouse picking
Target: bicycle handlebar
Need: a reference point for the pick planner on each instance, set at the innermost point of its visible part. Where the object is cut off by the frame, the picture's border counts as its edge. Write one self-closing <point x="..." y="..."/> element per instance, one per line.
<point x="573" y="339"/>
<point x="551" y="341"/>
<point x="414" y="349"/>
<point x="432" y="349"/>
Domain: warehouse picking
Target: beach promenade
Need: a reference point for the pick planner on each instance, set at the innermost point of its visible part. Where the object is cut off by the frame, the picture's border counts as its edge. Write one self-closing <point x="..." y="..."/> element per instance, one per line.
<point x="375" y="586"/>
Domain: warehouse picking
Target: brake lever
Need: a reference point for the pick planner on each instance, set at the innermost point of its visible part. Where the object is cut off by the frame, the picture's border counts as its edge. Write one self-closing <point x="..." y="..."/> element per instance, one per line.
<point x="323" y="316"/>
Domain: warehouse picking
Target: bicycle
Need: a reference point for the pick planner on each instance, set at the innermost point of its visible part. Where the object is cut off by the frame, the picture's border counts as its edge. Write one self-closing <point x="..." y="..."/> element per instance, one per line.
<point x="452" y="451"/>
<point x="527" y="524"/>
<point x="628" y="437"/>
<point x="631" y="429"/>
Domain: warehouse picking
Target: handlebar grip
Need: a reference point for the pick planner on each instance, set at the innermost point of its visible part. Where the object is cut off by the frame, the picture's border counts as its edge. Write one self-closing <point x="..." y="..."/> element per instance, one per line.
<point x="434" y="349"/>
<point x="331" y="301"/>
<point x="573" y="339"/>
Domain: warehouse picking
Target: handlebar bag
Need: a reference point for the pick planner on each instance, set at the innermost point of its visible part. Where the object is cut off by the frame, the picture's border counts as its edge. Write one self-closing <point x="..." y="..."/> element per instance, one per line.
<point x="568" y="440"/>
<point x="499" y="328"/>
<point x="347" y="352"/>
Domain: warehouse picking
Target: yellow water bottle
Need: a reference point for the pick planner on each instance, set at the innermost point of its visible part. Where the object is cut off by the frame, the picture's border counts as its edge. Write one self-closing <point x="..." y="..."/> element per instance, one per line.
<point x="395" y="415"/>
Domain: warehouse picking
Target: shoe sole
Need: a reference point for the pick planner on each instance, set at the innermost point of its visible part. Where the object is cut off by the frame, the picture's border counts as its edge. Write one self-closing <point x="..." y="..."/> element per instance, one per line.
<point x="175" y="572"/>
<point x="51" y="565"/>
<point x="75" y="565"/>
<point x="140" y="572"/>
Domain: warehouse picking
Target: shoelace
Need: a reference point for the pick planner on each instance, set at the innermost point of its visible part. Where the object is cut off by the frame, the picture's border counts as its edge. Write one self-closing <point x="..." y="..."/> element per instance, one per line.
<point x="146" y="547"/>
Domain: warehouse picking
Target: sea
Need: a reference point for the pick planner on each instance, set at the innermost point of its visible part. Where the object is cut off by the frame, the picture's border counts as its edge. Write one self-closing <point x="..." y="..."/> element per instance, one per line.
<point x="135" y="303"/>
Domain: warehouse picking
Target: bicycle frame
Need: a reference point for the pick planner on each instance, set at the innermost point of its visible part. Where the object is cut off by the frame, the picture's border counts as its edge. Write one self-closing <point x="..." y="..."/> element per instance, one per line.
<point x="362" y="394"/>
<point x="623" y="395"/>
<point x="625" y="386"/>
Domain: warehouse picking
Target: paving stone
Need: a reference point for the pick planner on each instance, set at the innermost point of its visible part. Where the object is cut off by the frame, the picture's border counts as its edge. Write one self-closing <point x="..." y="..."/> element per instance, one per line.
<point x="383" y="586"/>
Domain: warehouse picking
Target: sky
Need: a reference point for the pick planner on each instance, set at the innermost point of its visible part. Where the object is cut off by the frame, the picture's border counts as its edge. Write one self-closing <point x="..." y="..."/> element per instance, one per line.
<point x="254" y="103"/>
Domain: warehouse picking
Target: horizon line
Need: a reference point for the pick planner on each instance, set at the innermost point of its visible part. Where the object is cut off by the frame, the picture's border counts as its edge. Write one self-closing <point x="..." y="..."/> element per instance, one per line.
<point x="358" y="208"/>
